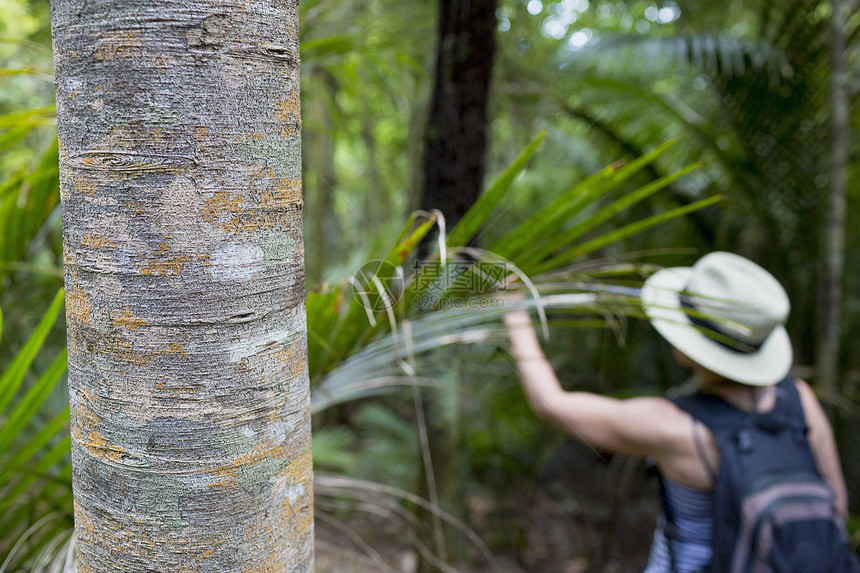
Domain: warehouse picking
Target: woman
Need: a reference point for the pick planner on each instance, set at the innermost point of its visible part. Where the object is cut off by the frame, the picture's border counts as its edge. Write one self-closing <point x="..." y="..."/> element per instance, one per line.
<point x="725" y="319"/>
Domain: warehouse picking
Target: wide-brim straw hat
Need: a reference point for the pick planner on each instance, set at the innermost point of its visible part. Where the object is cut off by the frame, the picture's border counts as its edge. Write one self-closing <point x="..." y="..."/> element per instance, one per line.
<point x="725" y="313"/>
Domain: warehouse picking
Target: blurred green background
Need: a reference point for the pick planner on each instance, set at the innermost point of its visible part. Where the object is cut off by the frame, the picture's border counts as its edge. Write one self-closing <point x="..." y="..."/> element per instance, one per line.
<point x="746" y="89"/>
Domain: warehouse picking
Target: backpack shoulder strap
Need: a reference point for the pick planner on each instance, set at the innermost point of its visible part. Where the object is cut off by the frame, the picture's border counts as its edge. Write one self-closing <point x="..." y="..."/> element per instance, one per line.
<point x="711" y="410"/>
<point x="788" y="391"/>
<point x="721" y="417"/>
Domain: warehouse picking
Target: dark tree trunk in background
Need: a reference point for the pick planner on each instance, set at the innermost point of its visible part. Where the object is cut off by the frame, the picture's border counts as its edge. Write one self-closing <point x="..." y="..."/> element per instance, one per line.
<point x="456" y="135"/>
<point x="833" y="245"/>
<point x="319" y="173"/>
<point x="455" y="145"/>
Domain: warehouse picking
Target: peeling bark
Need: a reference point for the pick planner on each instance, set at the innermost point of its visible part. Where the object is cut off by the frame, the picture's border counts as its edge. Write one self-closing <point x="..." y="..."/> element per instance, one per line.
<point x="179" y="129"/>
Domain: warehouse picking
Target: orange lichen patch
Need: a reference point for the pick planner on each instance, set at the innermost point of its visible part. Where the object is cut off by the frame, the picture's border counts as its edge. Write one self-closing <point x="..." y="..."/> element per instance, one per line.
<point x="295" y="356"/>
<point x="225" y="483"/>
<point x="162" y="62"/>
<point x="138" y="540"/>
<point x="287" y="191"/>
<point x="299" y="510"/>
<point x="229" y="214"/>
<point x="78" y="305"/>
<point x="82" y="518"/>
<point x="139" y="358"/>
<point x="171" y="266"/>
<point x="221" y="203"/>
<point x="289" y="108"/>
<point x="117" y="44"/>
<point x="86" y="416"/>
<point x="98" y="447"/>
<point x="257" y="136"/>
<point x="127" y="319"/>
<point x="240" y="368"/>
<point x="95" y="241"/>
<point x="121" y="351"/>
<point x="201" y="132"/>
<point x="133" y="209"/>
<point x="118" y="137"/>
<point x="298" y="472"/>
<point x="175" y="391"/>
<point x="85" y="187"/>
<point x="274" y="563"/>
<point x="252" y="222"/>
<point x="176" y="350"/>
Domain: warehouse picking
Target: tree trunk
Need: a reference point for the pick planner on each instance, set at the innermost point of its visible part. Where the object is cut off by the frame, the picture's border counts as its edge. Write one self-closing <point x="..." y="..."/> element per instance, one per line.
<point x="179" y="128"/>
<point x="456" y="136"/>
<point x="319" y="177"/>
<point x="833" y="256"/>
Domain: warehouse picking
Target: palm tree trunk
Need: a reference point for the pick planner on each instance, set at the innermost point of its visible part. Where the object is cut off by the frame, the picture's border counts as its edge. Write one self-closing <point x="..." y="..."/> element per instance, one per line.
<point x="179" y="129"/>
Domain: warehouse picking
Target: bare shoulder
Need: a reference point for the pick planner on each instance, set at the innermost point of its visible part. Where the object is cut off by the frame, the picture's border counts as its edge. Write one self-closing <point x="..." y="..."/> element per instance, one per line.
<point x="806" y="392"/>
<point x="645" y="426"/>
<point x="823" y="445"/>
<point x="816" y="419"/>
<point x="659" y="411"/>
<point x="668" y="425"/>
<point x="811" y="406"/>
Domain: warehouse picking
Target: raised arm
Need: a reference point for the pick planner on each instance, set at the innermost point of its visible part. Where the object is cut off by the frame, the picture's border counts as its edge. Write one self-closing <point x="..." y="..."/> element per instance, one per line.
<point x="639" y="426"/>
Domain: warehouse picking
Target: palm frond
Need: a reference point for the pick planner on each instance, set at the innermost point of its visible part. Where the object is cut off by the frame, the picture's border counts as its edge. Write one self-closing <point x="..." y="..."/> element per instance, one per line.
<point x="35" y="477"/>
<point x="721" y="55"/>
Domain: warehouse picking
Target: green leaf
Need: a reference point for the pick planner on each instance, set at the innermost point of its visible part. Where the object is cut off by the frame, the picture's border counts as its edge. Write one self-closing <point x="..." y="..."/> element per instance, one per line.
<point x="548" y="220"/>
<point x="28" y="450"/>
<point x="12" y="136"/>
<point x="35" y="116"/>
<point x="328" y="46"/>
<point x="405" y="246"/>
<point x="622" y="233"/>
<point x="32" y="401"/>
<point x="40" y="470"/>
<point x="14" y="374"/>
<point x="330" y="449"/>
<point x="567" y="236"/>
<point x="24" y="71"/>
<point x="466" y="229"/>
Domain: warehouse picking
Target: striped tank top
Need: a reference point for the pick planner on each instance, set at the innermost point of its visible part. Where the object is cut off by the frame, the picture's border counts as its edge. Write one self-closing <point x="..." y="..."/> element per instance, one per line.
<point x="693" y="512"/>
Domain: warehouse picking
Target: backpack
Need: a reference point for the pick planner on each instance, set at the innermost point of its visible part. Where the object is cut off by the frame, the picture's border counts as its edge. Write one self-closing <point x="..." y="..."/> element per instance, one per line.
<point x="774" y="513"/>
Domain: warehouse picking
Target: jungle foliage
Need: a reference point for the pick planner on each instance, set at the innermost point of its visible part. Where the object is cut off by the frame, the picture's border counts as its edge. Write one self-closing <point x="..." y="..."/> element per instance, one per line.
<point x="715" y="127"/>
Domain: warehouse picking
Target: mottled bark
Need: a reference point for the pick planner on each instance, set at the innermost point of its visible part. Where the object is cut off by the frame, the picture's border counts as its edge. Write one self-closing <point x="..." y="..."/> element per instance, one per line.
<point x="833" y="243"/>
<point x="456" y="136"/>
<point x="179" y="129"/>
